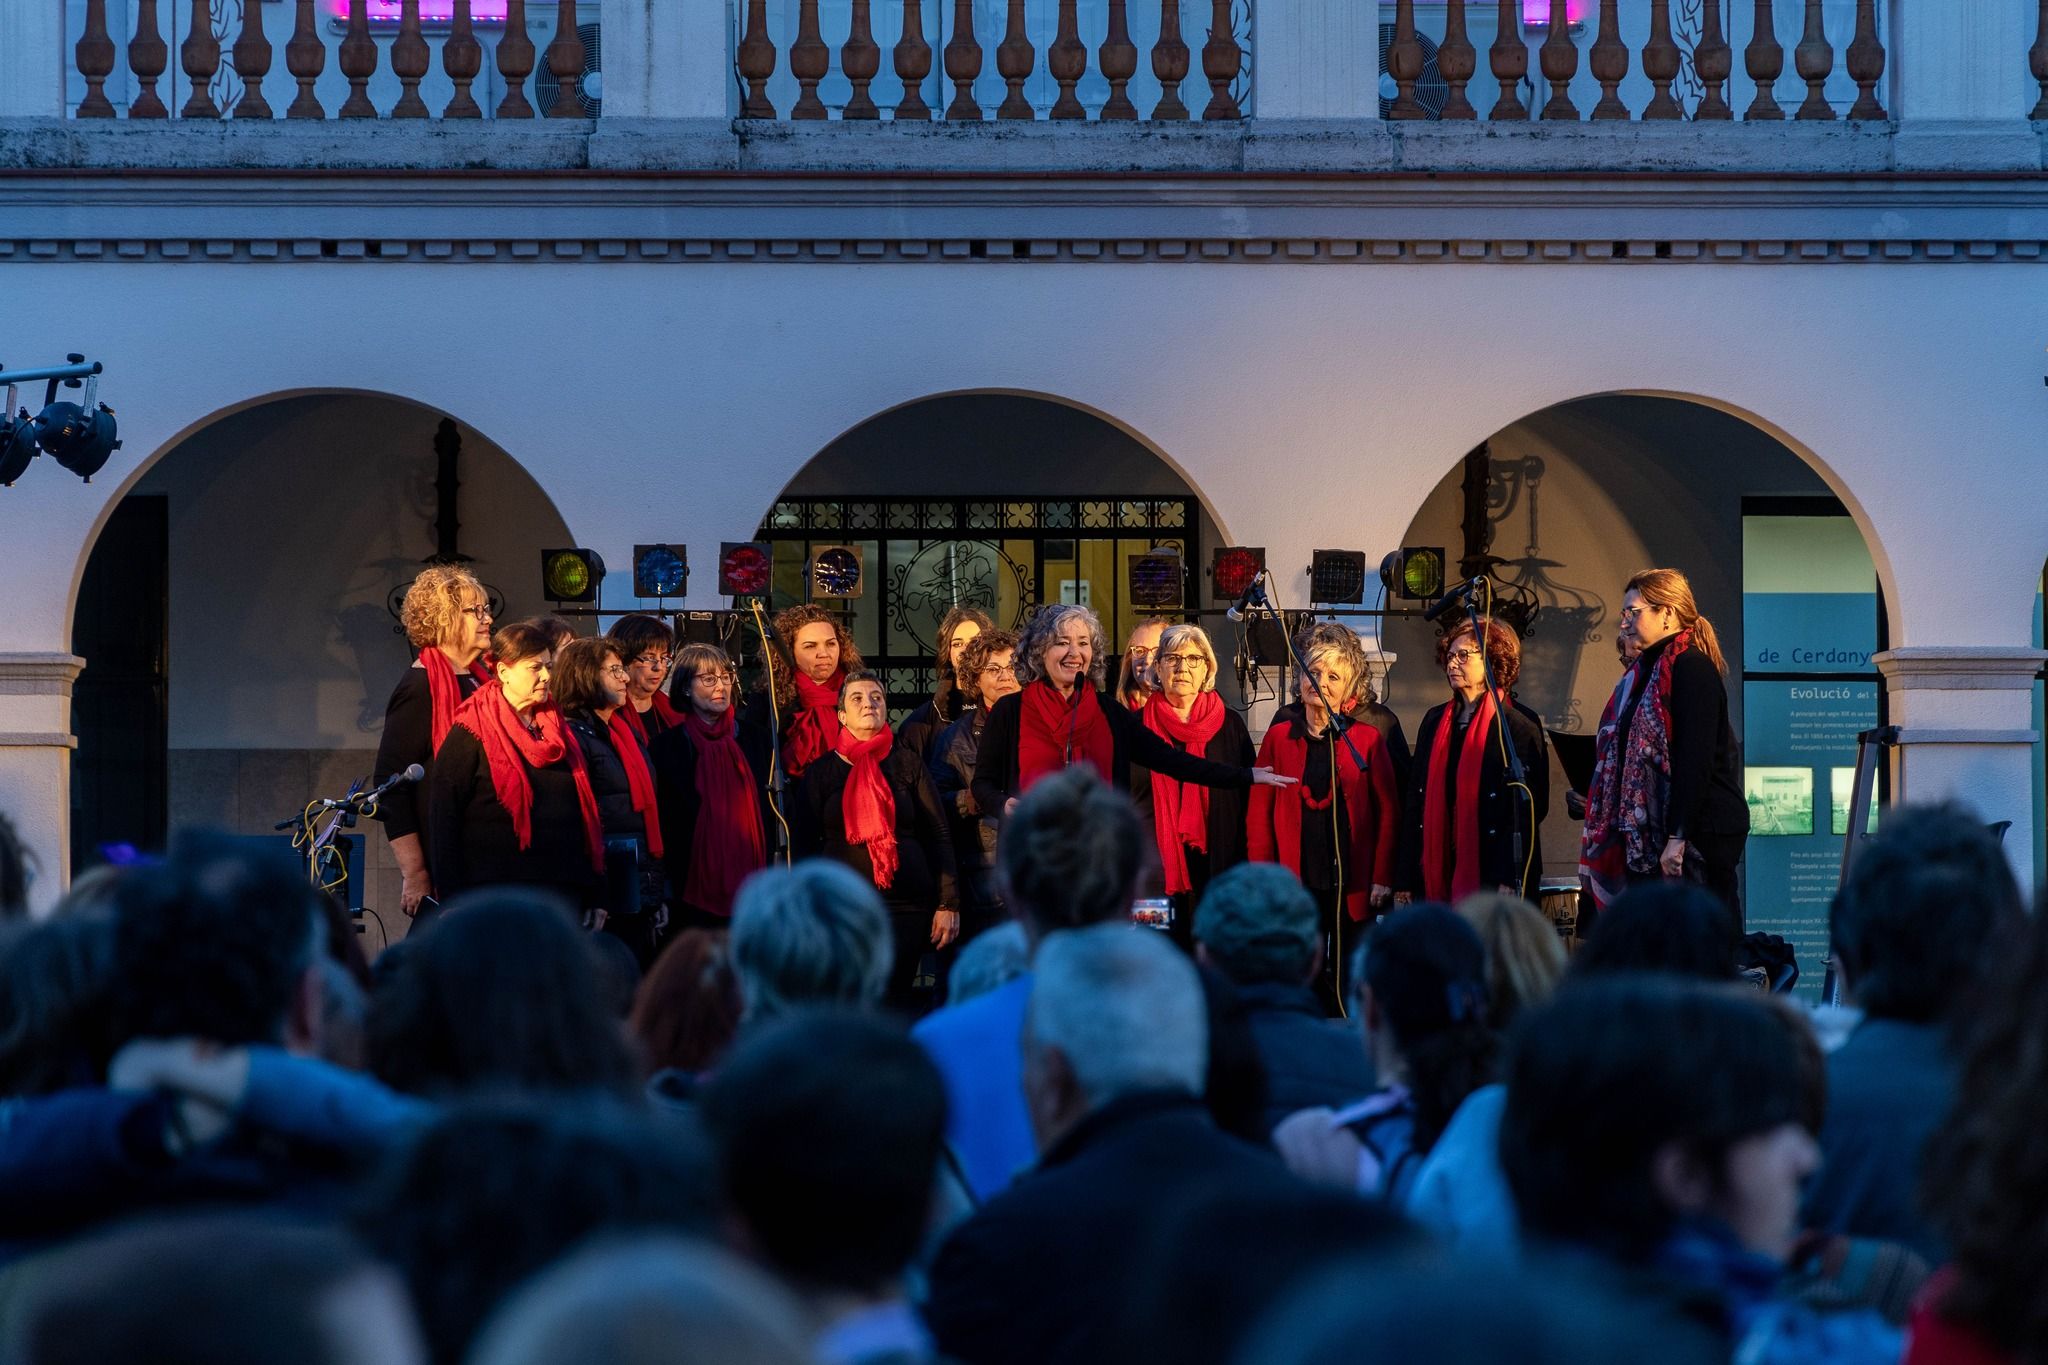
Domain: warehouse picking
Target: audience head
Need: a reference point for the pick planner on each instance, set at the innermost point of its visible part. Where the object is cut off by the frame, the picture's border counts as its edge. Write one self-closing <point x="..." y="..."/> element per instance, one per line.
<point x="501" y="992"/>
<point x="812" y="934"/>
<point x="828" y="1127"/>
<point x="688" y="1006"/>
<point x="992" y="957"/>
<point x="214" y="1290"/>
<point x="1114" y="1011"/>
<point x="91" y="891"/>
<point x="1071" y="854"/>
<point x="647" y="1301"/>
<point x="1638" y="1102"/>
<point x="988" y="667"/>
<point x="15" y="863"/>
<point x="1926" y="900"/>
<point x="618" y="973"/>
<point x="1234" y="1084"/>
<point x="958" y="630"/>
<point x="494" y="1191"/>
<point x="218" y="943"/>
<point x="1673" y="927"/>
<point x="1063" y="643"/>
<point x="447" y="608"/>
<point x="56" y="994"/>
<point x="1524" y="956"/>
<point x="588" y="676"/>
<point x="1258" y="925"/>
<point x="1421" y="982"/>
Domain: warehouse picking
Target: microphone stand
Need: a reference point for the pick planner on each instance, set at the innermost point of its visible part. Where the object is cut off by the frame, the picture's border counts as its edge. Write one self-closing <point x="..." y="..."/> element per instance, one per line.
<point x="1518" y="777"/>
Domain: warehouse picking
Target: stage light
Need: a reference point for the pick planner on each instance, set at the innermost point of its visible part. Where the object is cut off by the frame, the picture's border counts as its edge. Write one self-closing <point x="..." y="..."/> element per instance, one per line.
<point x="745" y="569"/>
<point x="79" y="438"/>
<point x="1337" y="577"/>
<point x="1415" y="572"/>
<point x="661" y="571"/>
<point x="17" y="447"/>
<point x="1157" y="580"/>
<point x="835" y="571"/>
<point x="1232" y="569"/>
<point x="571" y="575"/>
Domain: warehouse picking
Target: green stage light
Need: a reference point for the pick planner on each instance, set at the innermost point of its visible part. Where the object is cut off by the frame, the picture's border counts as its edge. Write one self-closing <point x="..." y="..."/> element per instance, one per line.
<point x="571" y="575"/>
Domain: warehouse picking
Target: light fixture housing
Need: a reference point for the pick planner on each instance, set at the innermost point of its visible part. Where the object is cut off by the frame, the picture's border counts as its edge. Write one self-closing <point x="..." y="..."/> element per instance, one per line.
<point x="661" y="571"/>
<point x="1337" y="577"/>
<point x="835" y="572"/>
<point x="1415" y="572"/>
<point x="745" y="569"/>
<point x="1157" y="580"/>
<point x="1233" y="569"/>
<point x="81" y="439"/>
<point x="571" y="575"/>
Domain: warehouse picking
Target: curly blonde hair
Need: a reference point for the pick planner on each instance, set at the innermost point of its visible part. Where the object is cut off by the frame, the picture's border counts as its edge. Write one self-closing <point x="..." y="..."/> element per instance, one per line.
<point x="1044" y="627"/>
<point x="1329" y="637"/>
<point x="433" y="604"/>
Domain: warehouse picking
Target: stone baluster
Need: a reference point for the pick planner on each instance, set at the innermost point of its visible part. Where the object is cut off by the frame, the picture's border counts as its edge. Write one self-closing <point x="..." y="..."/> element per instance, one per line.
<point x="1609" y="64"/>
<point x="1714" y="62"/>
<point x="1118" y="61"/>
<point x="199" y="56"/>
<point x="462" y="58"/>
<point x="1866" y="63"/>
<point x="757" y="62"/>
<point x="963" y="64"/>
<point x="252" y="64"/>
<point x="913" y="64"/>
<point x="860" y="61"/>
<point x="1509" y="58"/>
<point x="305" y="56"/>
<point x="95" y="56"/>
<point x="1014" y="59"/>
<point x="148" y="55"/>
<point x="1814" y="60"/>
<point x="1764" y="60"/>
<point x="565" y="62"/>
<point x="1404" y="63"/>
<point x="1171" y="59"/>
<point x="1067" y="60"/>
<point x="1560" y="63"/>
<point x="1661" y="64"/>
<point x="515" y="62"/>
<point x="1222" y="59"/>
<point x="809" y="60"/>
<point x="1456" y="61"/>
<point x="358" y="61"/>
<point x="410" y="58"/>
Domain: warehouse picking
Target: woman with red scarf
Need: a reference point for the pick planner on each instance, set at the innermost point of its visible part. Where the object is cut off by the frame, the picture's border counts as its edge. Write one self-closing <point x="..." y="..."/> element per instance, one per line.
<point x="1337" y="829"/>
<point x="1062" y="717"/>
<point x="799" y="702"/>
<point x="645" y="647"/>
<point x="711" y="777"/>
<point x="1199" y="830"/>
<point x="871" y="805"/>
<point x="510" y="796"/>
<point x="589" y="686"/>
<point x="1457" y="834"/>
<point x="447" y="618"/>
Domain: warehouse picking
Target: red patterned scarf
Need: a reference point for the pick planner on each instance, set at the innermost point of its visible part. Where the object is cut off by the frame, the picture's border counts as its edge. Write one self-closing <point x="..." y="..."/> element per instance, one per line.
<point x="511" y="749"/>
<point x="728" y="844"/>
<point x="1452" y="883"/>
<point x="1053" y="733"/>
<point x="639" y="777"/>
<point x="444" y="689"/>
<point x="814" y="730"/>
<point x="1626" y="800"/>
<point x="1180" y="810"/>
<point x="867" y="805"/>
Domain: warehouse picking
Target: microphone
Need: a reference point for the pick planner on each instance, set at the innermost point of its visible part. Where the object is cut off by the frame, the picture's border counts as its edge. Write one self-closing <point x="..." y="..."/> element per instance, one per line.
<point x="1452" y="598"/>
<point x="1253" y="596"/>
<point x="413" y="773"/>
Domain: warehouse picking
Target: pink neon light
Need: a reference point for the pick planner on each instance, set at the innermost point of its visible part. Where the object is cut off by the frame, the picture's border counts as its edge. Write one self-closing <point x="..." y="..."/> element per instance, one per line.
<point x="1538" y="11"/>
<point x="431" y="11"/>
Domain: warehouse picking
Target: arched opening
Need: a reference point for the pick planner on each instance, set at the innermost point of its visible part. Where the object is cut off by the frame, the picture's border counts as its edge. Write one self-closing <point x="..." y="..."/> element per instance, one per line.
<point x="237" y="610"/>
<point x="1564" y="505"/>
<point x="996" y="500"/>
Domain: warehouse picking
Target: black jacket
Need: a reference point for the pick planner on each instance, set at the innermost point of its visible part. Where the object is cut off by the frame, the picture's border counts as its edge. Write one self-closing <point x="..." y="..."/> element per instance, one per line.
<point x="921" y="729"/>
<point x="607" y="776"/>
<point x="1499" y="807"/>
<point x="1233" y="746"/>
<point x="1041" y="1274"/>
<point x="1311" y="1060"/>
<point x="974" y="836"/>
<point x="1706" y="761"/>
<point x="674" y="759"/>
<point x="924" y="846"/>
<point x="409" y="739"/>
<point x="995" y="771"/>
<point x="1389" y="726"/>
<point x="470" y="832"/>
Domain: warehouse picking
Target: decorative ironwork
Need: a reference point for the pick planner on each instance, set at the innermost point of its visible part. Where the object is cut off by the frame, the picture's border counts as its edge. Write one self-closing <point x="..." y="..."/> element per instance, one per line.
<point x="948" y="573"/>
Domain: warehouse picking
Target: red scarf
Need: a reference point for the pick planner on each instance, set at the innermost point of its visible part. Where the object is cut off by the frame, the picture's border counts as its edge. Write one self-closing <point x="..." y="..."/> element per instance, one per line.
<point x="868" y="806"/>
<point x="1180" y="810"/>
<point x="728" y="844"/>
<point x="1464" y="876"/>
<point x="444" y="689"/>
<point x="639" y="777"/>
<point x="510" y="748"/>
<point x="1053" y="733"/>
<point x="670" y="719"/>
<point x="814" y="730"/>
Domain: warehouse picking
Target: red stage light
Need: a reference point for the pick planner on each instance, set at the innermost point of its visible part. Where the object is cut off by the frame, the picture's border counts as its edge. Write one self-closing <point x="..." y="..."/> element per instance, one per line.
<point x="745" y="569"/>
<point x="1233" y="569"/>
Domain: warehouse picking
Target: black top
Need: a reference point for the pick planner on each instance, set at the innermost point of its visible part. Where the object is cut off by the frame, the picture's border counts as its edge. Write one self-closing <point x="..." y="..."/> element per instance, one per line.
<point x="995" y="770"/>
<point x="469" y="833"/>
<point x="1311" y="1060"/>
<point x="607" y="776"/>
<point x="674" y="757"/>
<point x="650" y="721"/>
<point x="1499" y="808"/>
<point x="1389" y="726"/>
<point x="409" y="739"/>
<point x="1319" y="826"/>
<point x="974" y="836"/>
<point x="924" y="845"/>
<point x="921" y="729"/>
<point x="1232" y="746"/>
<point x="1706" y="760"/>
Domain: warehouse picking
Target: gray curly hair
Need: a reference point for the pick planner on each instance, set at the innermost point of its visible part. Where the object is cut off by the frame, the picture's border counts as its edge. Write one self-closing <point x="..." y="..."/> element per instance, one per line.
<point x="1042" y="629"/>
<point x="1330" y="638"/>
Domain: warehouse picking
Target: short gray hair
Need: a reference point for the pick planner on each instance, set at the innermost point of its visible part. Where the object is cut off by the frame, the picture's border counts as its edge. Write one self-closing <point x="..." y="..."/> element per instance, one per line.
<point x="1183" y="632"/>
<point x="1044" y="627"/>
<point x="812" y="934"/>
<point x="990" y="958"/>
<point x="1124" y="1007"/>
<point x="1259" y="924"/>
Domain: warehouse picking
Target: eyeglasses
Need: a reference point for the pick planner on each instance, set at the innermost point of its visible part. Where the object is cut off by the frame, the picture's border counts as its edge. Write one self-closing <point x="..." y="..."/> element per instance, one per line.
<point x="1461" y="656"/>
<point x="1629" y="614"/>
<point x="1178" y="662"/>
<point x="481" y="611"/>
<point x="615" y="670"/>
<point x="651" y="660"/>
<point x="999" y="671"/>
<point x="717" y="679"/>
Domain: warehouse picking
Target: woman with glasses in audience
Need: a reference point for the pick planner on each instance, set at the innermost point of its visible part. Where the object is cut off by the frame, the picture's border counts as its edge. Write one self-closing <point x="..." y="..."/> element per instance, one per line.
<point x="988" y="674"/>
<point x="1199" y="831"/>
<point x="711" y="780"/>
<point x="645" y="645"/>
<point x="1464" y="810"/>
<point x="590" y="687"/>
<point x="447" y="619"/>
<point x="952" y="692"/>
